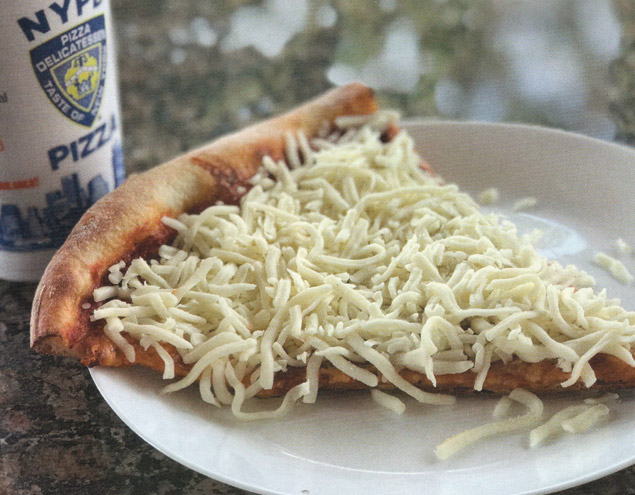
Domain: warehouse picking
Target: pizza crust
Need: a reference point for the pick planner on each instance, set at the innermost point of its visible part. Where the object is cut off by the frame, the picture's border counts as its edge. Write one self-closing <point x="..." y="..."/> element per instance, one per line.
<point x="127" y="223"/>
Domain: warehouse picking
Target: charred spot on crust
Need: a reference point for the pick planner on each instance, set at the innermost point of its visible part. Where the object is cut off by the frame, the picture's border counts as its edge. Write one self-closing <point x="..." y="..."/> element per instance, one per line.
<point x="389" y="134"/>
<point x="149" y="247"/>
<point x="231" y="183"/>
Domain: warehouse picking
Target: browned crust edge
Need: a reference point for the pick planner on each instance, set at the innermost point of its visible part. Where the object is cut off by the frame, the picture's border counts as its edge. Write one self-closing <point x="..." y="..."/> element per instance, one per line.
<point x="131" y="215"/>
<point x="544" y="377"/>
<point x="541" y="378"/>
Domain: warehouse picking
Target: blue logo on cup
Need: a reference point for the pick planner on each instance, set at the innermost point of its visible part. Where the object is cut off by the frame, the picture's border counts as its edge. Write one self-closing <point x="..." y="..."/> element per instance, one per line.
<point x="71" y="69"/>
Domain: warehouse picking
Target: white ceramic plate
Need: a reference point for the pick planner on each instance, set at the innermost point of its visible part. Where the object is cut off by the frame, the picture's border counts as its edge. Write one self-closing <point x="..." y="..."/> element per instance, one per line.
<point x="349" y="444"/>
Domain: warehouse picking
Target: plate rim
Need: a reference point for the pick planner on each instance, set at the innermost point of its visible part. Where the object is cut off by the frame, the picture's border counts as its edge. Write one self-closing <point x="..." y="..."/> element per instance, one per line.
<point x="425" y="121"/>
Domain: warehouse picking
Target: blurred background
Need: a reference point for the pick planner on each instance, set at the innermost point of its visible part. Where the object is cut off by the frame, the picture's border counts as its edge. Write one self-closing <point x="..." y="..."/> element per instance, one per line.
<point x="193" y="69"/>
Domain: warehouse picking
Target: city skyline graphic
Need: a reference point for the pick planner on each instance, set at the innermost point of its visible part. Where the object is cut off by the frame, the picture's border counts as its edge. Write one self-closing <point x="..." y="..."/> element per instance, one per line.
<point x="30" y="228"/>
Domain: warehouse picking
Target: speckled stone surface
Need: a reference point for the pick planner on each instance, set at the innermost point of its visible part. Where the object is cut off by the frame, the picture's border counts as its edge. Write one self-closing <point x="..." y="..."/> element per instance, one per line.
<point x="58" y="436"/>
<point x="182" y="85"/>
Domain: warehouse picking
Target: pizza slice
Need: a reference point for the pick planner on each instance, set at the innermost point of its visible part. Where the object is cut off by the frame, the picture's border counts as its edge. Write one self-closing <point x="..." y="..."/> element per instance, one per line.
<point x="317" y="250"/>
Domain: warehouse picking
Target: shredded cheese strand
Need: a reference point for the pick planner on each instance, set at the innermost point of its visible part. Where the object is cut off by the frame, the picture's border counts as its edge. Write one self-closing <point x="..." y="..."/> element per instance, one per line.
<point x="467" y="438"/>
<point x="554" y="425"/>
<point x="388" y="401"/>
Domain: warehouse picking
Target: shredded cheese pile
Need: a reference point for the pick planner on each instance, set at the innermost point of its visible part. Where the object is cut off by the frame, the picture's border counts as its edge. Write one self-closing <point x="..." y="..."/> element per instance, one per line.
<point x="350" y="255"/>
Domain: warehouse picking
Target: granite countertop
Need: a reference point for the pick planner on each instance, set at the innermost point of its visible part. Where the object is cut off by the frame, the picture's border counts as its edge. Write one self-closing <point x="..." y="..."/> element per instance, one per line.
<point x="191" y="70"/>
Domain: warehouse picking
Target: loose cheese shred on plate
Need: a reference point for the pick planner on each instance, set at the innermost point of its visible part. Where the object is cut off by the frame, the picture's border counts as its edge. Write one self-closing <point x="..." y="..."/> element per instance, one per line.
<point x="585" y="420"/>
<point x="503" y="406"/>
<point x="615" y="267"/>
<point x="388" y="401"/>
<point x="554" y="427"/>
<point x="623" y="247"/>
<point x="350" y="257"/>
<point x="572" y="419"/>
<point x="464" y="439"/>
<point x="525" y="203"/>
<point x="488" y="196"/>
